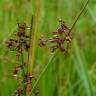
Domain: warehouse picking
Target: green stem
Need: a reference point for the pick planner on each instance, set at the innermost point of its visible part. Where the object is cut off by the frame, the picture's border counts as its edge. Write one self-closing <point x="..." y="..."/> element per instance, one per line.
<point x="30" y="37"/>
<point x="78" y="16"/>
<point x="43" y="71"/>
<point x="76" y="19"/>
<point x="29" y="51"/>
<point x="23" y="71"/>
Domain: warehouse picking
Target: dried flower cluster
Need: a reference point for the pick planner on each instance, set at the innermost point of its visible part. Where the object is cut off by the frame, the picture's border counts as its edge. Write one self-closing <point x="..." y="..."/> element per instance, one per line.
<point x="20" y="45"/>
<point x="60" y="39"/>
<point x="21" y="42"/>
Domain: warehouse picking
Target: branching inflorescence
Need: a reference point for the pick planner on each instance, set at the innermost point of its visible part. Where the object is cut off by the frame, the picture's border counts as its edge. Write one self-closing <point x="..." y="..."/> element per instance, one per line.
<point x="59" y="40"/>
<point x="20" y="45"/>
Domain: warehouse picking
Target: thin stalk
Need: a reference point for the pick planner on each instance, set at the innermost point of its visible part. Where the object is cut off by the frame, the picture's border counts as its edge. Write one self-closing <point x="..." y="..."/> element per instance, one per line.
<point x="30" y="37"/>
<point x="33" y="39"/>
<point x="28" y="63"/>
<point x="33" y="31"/>
<point x="78" y="16"/>
<point x="22" y="64"/>
<point x="43" y="71"/>
<point x="23" y="71"/>
<point x="76" y="19"/>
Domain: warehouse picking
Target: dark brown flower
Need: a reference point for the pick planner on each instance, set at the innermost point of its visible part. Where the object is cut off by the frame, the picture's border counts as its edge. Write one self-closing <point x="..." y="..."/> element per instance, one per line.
<point x="18" y="92"/>
<point x="62" y="49"/>
<point x="15" y="71"/>
<point x="26" y="47"/>
<point x="22" y="26"/>
<point x="68" y="38"/>
<point x="9" y="43"/>
<point x="42" y="41"/>
<point x="60" y="38"/>
<point x="19" y="34"/>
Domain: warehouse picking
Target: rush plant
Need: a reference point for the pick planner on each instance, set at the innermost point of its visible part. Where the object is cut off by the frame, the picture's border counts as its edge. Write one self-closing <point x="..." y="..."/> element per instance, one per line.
<point x="22" y="43"/>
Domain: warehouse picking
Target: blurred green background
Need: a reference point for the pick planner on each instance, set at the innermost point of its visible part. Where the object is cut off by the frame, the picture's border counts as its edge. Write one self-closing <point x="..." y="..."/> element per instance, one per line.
<point x="71" y="76"/>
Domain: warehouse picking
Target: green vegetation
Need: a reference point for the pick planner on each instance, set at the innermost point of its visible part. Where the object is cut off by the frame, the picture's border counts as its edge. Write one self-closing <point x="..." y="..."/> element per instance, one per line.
<point x="73" y="74"/>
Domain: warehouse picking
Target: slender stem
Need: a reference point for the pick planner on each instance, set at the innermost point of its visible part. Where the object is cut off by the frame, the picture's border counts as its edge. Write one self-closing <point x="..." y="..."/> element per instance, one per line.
<point x="22" y="61"/>
<point x="31" y="54"/>
<point x="30" y="37"/>
<point x="34" y="37"/>
<point x="28" y="63"/>
<point x="43" y="71"/>
<point x="76" y="19"/>
<point x="22" y="69"/>
<point x="78" y="16"/>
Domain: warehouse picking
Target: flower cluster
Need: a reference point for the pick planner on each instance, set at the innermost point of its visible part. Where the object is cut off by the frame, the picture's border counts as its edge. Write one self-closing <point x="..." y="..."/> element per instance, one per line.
<point x="20" y="44"/>
<point x="59" y="40"/>
<point x="18" y="92"/>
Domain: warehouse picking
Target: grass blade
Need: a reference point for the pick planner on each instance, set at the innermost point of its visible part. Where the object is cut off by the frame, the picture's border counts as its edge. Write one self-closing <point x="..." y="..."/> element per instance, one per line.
<point x="82" y="70"/>
<point x="43" y="71"/>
